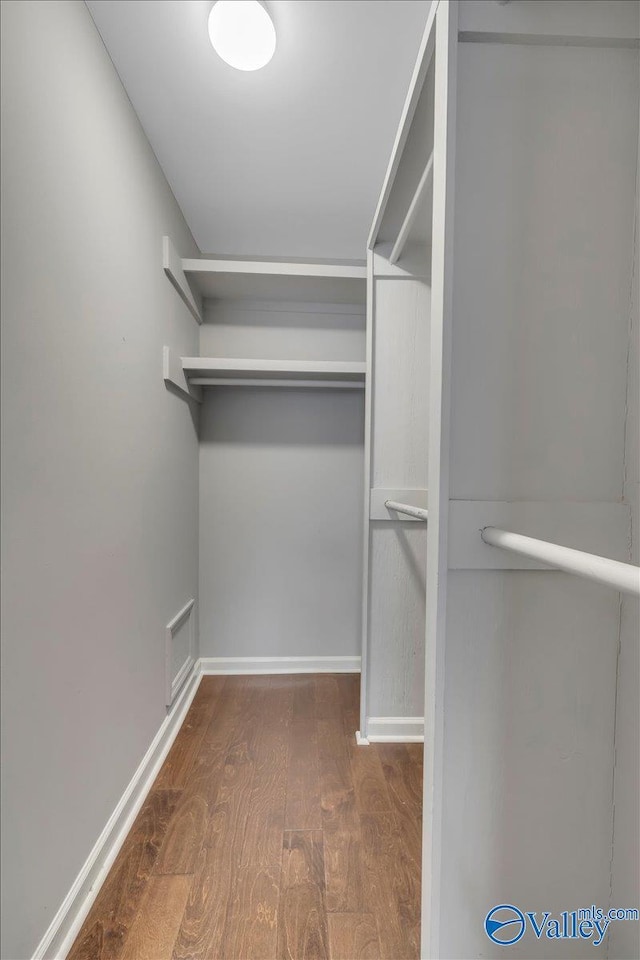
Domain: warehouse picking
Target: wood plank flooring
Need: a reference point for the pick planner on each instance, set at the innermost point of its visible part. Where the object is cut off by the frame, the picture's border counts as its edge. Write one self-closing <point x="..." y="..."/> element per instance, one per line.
<point x="269" y="835"/>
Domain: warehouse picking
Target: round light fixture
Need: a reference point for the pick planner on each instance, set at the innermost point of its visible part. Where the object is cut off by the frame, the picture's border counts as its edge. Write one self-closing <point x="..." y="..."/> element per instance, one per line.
<point x="242" y="33"/>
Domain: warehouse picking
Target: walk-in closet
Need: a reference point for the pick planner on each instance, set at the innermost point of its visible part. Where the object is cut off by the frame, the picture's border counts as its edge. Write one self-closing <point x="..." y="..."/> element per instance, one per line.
<point x="320" y="478"/>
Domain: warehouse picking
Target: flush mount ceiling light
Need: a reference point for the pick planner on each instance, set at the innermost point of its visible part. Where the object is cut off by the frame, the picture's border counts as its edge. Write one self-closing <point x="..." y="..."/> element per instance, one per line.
<point x="242" y="33"/>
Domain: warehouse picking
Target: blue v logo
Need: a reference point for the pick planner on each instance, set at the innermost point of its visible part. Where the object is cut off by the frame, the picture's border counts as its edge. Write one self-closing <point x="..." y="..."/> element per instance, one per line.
<point x="505" y="924"/>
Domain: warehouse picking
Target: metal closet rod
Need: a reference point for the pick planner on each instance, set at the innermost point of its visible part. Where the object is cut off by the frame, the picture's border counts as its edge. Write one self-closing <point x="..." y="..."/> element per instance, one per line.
<point x="419" y="513"/>
<point x="623" y="576"/>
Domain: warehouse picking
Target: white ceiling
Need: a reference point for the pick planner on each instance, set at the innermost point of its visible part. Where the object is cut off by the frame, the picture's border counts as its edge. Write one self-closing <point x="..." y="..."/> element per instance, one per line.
<point x="286" y="161"/>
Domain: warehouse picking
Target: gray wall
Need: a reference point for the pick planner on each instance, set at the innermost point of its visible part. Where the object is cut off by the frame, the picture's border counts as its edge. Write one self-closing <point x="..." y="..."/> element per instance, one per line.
<point x="99" y="481"/>
<point x="281" y="489"/>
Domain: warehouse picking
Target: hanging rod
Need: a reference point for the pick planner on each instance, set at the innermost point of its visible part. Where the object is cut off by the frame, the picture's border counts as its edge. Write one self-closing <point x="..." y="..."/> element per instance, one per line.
<point x="425" y="184"/>
<point x="418" y="512"/>
<point x="623" y="576"/>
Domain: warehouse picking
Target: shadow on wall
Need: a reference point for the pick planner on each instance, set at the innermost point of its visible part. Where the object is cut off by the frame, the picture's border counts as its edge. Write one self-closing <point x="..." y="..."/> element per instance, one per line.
<point x="284" y="315"/>
<point x="193" y="405"/>
<point x="282" y="416"/>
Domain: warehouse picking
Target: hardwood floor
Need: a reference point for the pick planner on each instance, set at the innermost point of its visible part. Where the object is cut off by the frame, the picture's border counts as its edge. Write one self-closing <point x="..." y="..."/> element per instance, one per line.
<point x="269" y="835"/>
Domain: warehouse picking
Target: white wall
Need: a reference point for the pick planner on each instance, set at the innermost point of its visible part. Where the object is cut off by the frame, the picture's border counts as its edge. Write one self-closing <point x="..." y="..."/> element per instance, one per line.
<point x="546" y="160"/>
<point x="283" y="330"/>
<point x="624" y="942"/>
<point x="99" y="481"/>
<point x="281" y="490"/>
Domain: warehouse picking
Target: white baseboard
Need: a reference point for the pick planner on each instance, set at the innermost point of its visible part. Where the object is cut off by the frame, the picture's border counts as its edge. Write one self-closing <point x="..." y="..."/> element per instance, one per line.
<point x="394" y="730"/>
<point x="67" y="922"/>
<point x="255" y="665"/>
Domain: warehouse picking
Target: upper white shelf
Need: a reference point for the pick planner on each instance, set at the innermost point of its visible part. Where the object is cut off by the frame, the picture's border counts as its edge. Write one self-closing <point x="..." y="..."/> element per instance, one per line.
<point x="214" y="371"/>
<point x="225" y="278"/>
<point x="220" y="278"/>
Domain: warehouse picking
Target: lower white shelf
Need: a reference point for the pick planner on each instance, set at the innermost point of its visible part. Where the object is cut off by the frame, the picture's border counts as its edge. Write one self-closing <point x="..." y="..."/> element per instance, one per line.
<point x="221" y="371"/>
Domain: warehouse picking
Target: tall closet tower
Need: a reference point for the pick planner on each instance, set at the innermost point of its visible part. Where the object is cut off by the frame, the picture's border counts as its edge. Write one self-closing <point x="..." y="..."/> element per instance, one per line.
<point x="504" y="393"/>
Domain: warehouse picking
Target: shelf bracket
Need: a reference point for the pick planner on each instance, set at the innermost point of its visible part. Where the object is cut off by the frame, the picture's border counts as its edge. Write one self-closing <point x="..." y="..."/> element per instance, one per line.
<point x="424" y="187"/>
<point x="175" y="378"/>
<point x="172" y="264"/>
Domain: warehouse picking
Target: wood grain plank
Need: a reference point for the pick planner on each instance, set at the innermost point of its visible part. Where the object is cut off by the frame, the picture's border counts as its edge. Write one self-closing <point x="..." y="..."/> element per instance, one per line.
<point x="177" y="766"/>
<point x="279" y="692"/>
<point x="407" y="892"/>
<point x="202" y="929"/>
<point x="304" y="698"/>
<point x="353" y="936"/>
<point x="349" y="687"/>
<point x="343" y="862"/>
<point x="340" y="821"/>
<point x="336" y="778"/>
<point x="403" y="775"/>
<point x="233" y="696"/>
<point x="303" y="811"/>
<point x="155" y="927"/>
<point x="188" y="826"/>
<point x="252" y="913"/>
<point x="328" y="705"/>
<point x="415" y="752"/>
<point x="380" y="855"/>
<point x="402" y="789"/>
<point x="181" y="845"/>
<point x="104" y="931"/>
<point x="372" y="795"/>
<point x="302" y="927"/>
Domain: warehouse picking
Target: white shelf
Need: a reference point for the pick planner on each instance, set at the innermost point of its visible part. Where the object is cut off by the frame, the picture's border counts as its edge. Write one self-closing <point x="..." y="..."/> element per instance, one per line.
<point x="229" y="278"/>
<point x="221" y="279"/>
<point x="223" y="371"/>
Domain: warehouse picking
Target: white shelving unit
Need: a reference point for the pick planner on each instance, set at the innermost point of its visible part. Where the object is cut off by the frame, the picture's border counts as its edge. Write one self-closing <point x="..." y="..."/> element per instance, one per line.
<point x="218" y="279"/>
<point x="502" y="407"/>
<point x="402" y="284"/>
<point x="280" y="455"/>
